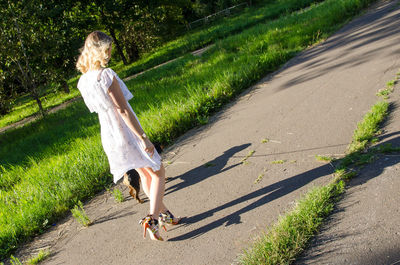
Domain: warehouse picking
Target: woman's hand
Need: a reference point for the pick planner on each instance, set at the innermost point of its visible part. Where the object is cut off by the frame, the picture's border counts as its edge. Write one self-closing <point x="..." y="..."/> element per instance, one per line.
<point x="148" y="146"/>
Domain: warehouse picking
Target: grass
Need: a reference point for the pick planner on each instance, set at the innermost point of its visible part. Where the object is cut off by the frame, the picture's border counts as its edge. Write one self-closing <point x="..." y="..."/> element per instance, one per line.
<point x="366" y="130"/>
<point x="384" y="93"/>
<point x="26" y="107"/>
<point x="278" y="162"/>
<point x="288" y="238"/>
<point x="324" y="158"/>
<point x="189" y="42"/>
<point x="118" y="196"/>
<point x="259" y="178"/>
<point x="42" y="255"/>
<point x="80" y="215"/>
<point x="209" y="164"/>
<point x="50" y="165"/>
<point x="15" y="261"/>
<point x="250" y="154"/>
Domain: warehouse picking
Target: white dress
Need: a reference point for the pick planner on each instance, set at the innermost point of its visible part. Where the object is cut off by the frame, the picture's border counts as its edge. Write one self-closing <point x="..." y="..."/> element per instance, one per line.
<point x="123" y="148"/>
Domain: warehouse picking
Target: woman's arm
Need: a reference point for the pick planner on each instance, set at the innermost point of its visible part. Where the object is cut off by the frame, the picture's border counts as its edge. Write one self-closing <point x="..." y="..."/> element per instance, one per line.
<point x="127" y="115"/>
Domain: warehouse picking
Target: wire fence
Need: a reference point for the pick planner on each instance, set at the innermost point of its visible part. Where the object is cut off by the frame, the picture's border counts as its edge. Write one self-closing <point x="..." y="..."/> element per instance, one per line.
<point x="223" y="13"/>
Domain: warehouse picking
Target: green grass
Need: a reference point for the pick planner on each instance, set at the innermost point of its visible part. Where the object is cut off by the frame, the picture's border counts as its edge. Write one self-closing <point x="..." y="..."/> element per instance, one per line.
<point x="384" y="93"/>
<point x="366" y="130"/>
<point x="324" y="158"/>
<point x="250" y="154"/>
<point x="118" y="196"/>
<point x="42" y="255"/>
<point x="15" y="261"/>
<point x="80" y="215"/>
<point x="49" y="165"/>
<point x="179" y="47"/>
<point x="276" y="162"/>
<point x="207" y="35"/>
<point x="284" y="241"/>
<point x="26" y="107"/>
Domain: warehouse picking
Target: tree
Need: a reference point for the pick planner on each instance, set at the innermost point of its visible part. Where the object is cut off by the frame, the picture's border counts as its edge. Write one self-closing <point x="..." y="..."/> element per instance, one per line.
<point x="39" y="41"/>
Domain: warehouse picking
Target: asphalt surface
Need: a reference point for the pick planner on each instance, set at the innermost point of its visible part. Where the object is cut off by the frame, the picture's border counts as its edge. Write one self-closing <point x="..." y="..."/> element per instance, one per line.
<point x="309" y="107"/>
<point x="364" y="228"/>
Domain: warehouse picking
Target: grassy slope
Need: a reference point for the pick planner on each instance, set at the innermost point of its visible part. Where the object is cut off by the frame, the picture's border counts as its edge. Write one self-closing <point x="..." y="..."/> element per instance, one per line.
<point x="168" y="101"/>
<point x="189" y="42"/>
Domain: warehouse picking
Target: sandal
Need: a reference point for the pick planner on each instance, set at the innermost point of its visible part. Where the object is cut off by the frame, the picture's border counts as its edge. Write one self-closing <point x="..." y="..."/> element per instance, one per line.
<point x="168" y="218"/>
<point x="151" y="225"/>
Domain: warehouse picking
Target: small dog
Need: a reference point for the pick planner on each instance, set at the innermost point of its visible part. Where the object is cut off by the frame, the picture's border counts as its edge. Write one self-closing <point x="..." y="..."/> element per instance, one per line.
<point x="132" y="179"/>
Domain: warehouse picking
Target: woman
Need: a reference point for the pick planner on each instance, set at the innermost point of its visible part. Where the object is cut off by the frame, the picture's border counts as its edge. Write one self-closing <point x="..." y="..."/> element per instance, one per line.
<point x="123" y="139"/>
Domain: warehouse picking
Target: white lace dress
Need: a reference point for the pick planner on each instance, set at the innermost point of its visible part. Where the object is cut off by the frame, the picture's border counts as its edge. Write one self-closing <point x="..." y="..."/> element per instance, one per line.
<point x="123" y="148"/>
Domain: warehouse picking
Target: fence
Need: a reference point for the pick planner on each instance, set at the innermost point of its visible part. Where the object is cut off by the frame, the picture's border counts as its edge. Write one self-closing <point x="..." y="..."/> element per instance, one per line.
<point x="226" y="12"/>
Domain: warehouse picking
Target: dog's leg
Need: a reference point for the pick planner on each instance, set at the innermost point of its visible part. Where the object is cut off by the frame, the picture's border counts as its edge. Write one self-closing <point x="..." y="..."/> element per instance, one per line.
<point x="133" y="190"/>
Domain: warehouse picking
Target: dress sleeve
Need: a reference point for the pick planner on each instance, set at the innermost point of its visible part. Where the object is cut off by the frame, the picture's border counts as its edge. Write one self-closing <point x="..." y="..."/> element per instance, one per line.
<point x="107" y="77"/>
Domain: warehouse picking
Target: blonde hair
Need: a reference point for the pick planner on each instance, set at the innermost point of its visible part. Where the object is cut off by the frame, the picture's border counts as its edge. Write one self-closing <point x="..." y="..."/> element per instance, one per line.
<point x="94" y="54"/>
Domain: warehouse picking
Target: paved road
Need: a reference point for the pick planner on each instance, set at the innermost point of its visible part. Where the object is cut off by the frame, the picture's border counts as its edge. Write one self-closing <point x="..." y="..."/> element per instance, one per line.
<point x="364" y="228"/>
<point x="310" y="107"/>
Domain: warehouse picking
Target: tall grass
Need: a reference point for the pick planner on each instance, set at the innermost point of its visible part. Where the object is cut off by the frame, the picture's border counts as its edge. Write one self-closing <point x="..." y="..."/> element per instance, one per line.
<point x="270" y="10"/>
<point x="43" y="185"/>
<point x="28" y="107"/>
<point x="182" y="45"/>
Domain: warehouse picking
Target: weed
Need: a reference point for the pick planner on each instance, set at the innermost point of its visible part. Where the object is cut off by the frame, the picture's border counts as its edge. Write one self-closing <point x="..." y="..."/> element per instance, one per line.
<point x="251" y="153"/>
<point x="80" y="215"/>
<point x="278" y="162"/>
<point x="259" y="178"/>
<point x="118" y="196"/>
<point x="391" y="84"/>
<point x="368" y="127"/>
<point x="42" y="255"/>
<point x="387" y="148"/>
<point x="323" y="158"/>
<point x="209" y="164"/>
<point x="15" y="261"/>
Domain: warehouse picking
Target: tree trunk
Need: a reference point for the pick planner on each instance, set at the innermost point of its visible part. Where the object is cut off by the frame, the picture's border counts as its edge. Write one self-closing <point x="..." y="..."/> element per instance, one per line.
<point x="118" y="46"/>
<point x="35" y="94"/>
<point x="28" y="77"/>
<point x="65" y="86"/>
<point x="133" y="51"/>
<point x="39" y="102"/>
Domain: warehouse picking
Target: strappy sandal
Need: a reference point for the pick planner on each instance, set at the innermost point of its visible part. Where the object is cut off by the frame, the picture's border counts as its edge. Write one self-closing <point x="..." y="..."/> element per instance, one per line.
<point x="151" y="225"/>
<point x="169" y="219"/>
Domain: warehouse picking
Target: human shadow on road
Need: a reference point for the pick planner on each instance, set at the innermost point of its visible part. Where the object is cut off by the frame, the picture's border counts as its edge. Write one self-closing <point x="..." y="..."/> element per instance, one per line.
<point x="206" y="170"/>
<point x="266" y="194"/>
<point x="273" y="192"/>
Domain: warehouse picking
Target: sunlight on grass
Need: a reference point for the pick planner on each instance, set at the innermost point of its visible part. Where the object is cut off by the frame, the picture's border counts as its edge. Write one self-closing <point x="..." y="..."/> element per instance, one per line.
<point x="51" y="164"/>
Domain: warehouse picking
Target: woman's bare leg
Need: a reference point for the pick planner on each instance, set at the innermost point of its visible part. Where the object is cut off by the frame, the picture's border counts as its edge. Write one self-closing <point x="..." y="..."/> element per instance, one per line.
<point x="145" y="178"/>
<point x="153" y="183"/>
